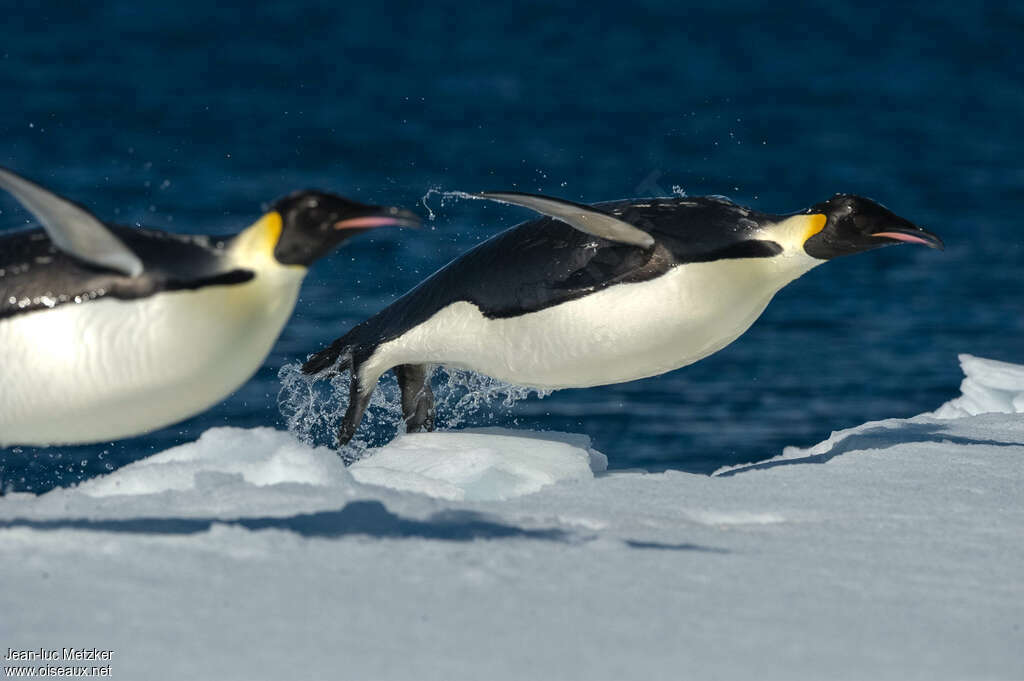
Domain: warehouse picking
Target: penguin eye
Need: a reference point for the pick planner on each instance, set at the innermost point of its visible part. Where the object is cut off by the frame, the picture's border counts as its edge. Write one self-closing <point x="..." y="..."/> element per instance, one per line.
<point x="316" y="215"/>
<point x="863" y="223"/>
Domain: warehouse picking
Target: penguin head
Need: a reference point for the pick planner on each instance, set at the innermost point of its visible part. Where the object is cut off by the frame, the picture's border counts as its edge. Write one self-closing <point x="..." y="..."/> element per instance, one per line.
<point x="854" y="224"/>
<point x="313" y="223"/>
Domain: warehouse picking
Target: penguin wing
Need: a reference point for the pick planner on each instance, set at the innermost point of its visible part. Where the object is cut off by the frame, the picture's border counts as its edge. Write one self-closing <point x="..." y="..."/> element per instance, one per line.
<point x="587" y="219"/>
<point x="36" y="275"/>
<point x="72" y="229"/>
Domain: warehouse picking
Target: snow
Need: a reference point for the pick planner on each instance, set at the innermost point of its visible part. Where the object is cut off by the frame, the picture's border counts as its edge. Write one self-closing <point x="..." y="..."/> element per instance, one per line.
<point x="988" y="386"/>
<point x="890" y="550"/>
<point x="259" y="456"/>
<point x="491" y="464"/>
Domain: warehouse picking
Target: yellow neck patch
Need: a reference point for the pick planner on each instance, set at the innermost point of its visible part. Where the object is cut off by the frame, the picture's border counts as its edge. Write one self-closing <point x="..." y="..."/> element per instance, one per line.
<point x="259" y="240"/>
<point x="815" y="223"/>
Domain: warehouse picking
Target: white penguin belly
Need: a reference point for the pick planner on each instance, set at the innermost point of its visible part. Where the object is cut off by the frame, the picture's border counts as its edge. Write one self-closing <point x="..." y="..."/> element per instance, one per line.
<point x="109" y="369"/>
<point x="622" y="333"/>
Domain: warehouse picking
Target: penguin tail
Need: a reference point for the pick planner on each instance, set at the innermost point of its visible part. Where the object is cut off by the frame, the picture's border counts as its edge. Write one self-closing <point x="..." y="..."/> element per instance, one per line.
<point x="337" y="357"/>
<point x="343" y="355"/>
<point x="348" y="353"/>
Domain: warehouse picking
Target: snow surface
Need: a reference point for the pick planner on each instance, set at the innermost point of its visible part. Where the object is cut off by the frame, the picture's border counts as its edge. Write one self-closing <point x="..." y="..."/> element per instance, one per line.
<point x="890" y="550"/>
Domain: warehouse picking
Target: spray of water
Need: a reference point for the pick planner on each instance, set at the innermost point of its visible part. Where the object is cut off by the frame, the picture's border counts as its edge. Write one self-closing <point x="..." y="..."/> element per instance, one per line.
<point x="426" y="197"/>
<point x="446" y="196"/>
<point x="313" y="408"/>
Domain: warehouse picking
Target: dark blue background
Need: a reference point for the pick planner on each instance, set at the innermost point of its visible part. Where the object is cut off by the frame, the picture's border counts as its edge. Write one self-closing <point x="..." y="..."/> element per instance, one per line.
<point x="188" y="117"/>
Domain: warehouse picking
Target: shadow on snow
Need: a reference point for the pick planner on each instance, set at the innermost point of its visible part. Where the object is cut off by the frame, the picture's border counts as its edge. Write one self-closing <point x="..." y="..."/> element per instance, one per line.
<point x="367" y="518"/>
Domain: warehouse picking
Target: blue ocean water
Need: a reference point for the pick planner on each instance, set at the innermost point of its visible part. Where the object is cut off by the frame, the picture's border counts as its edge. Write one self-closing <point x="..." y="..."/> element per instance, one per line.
<point x="191" y="117"/>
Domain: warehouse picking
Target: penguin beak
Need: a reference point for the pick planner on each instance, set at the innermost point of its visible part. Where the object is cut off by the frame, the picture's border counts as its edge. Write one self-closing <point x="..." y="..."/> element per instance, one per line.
<point x="912" y="235"/>
<point x="380" y="216"/>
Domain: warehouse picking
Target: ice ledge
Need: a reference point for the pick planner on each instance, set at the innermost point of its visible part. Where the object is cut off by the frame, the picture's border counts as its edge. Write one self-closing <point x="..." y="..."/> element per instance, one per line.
<point x="998" y="430"/>
<point x="988" y="386"/>
<point x="990" y="390"/>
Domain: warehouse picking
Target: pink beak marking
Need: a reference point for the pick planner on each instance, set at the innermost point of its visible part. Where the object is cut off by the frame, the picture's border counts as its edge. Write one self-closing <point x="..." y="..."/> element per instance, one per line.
<point x="900" y="236"/>
<point x="375" y="221"/>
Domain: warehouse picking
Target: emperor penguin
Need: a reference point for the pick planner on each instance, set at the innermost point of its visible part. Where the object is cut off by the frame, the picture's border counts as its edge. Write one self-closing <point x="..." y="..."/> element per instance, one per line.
<point x="108" y="332"/>
<point x="596" y="294"/>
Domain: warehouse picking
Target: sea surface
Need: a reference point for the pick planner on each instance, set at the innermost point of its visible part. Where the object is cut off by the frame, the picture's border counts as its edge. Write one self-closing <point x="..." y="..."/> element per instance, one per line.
<point x="191" y="117"/>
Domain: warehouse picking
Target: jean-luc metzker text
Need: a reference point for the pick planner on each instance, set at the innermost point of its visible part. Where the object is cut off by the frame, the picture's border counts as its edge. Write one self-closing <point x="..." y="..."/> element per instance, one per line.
<point x="59" y="654"/>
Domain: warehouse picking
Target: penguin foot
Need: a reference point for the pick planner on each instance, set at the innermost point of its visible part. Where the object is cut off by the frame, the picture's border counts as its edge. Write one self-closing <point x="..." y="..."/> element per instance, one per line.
<point x="417" y="397"/>
<point x="358" y="400"/>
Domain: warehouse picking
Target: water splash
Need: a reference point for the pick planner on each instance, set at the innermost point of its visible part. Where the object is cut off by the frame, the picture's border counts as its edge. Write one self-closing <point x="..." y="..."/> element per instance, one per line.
<point x="313" y="408"/>
<point x="466" y="397"/>
<point x="677" y="190"/>
<point x="426" y="197"/>
<point x="445" y="197"/>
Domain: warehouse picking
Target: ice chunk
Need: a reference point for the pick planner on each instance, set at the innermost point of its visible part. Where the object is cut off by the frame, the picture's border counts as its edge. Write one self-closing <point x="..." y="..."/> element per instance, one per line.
<point x="490" y="463"/>
<point x="260" y="456"/>
<point x="485" y="465"/>
<point x="988" y="386"/>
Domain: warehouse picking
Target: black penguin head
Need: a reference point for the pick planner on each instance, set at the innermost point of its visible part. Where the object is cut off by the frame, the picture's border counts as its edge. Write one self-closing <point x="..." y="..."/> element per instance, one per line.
<point x="854" y="224"/>
<point x="313" y="223"/>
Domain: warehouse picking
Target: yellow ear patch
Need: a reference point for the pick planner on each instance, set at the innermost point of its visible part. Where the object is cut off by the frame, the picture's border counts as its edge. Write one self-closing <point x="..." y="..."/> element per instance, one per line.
<point x="815" y="223"/>
<point x="260" y="238"/>
<point x="270" y="225"/>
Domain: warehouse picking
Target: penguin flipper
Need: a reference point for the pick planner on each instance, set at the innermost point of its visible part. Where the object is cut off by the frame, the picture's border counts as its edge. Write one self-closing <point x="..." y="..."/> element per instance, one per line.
<point x="585" y="218"/>
<point x="72" y="228"/>
<point x="417" y="397"/>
